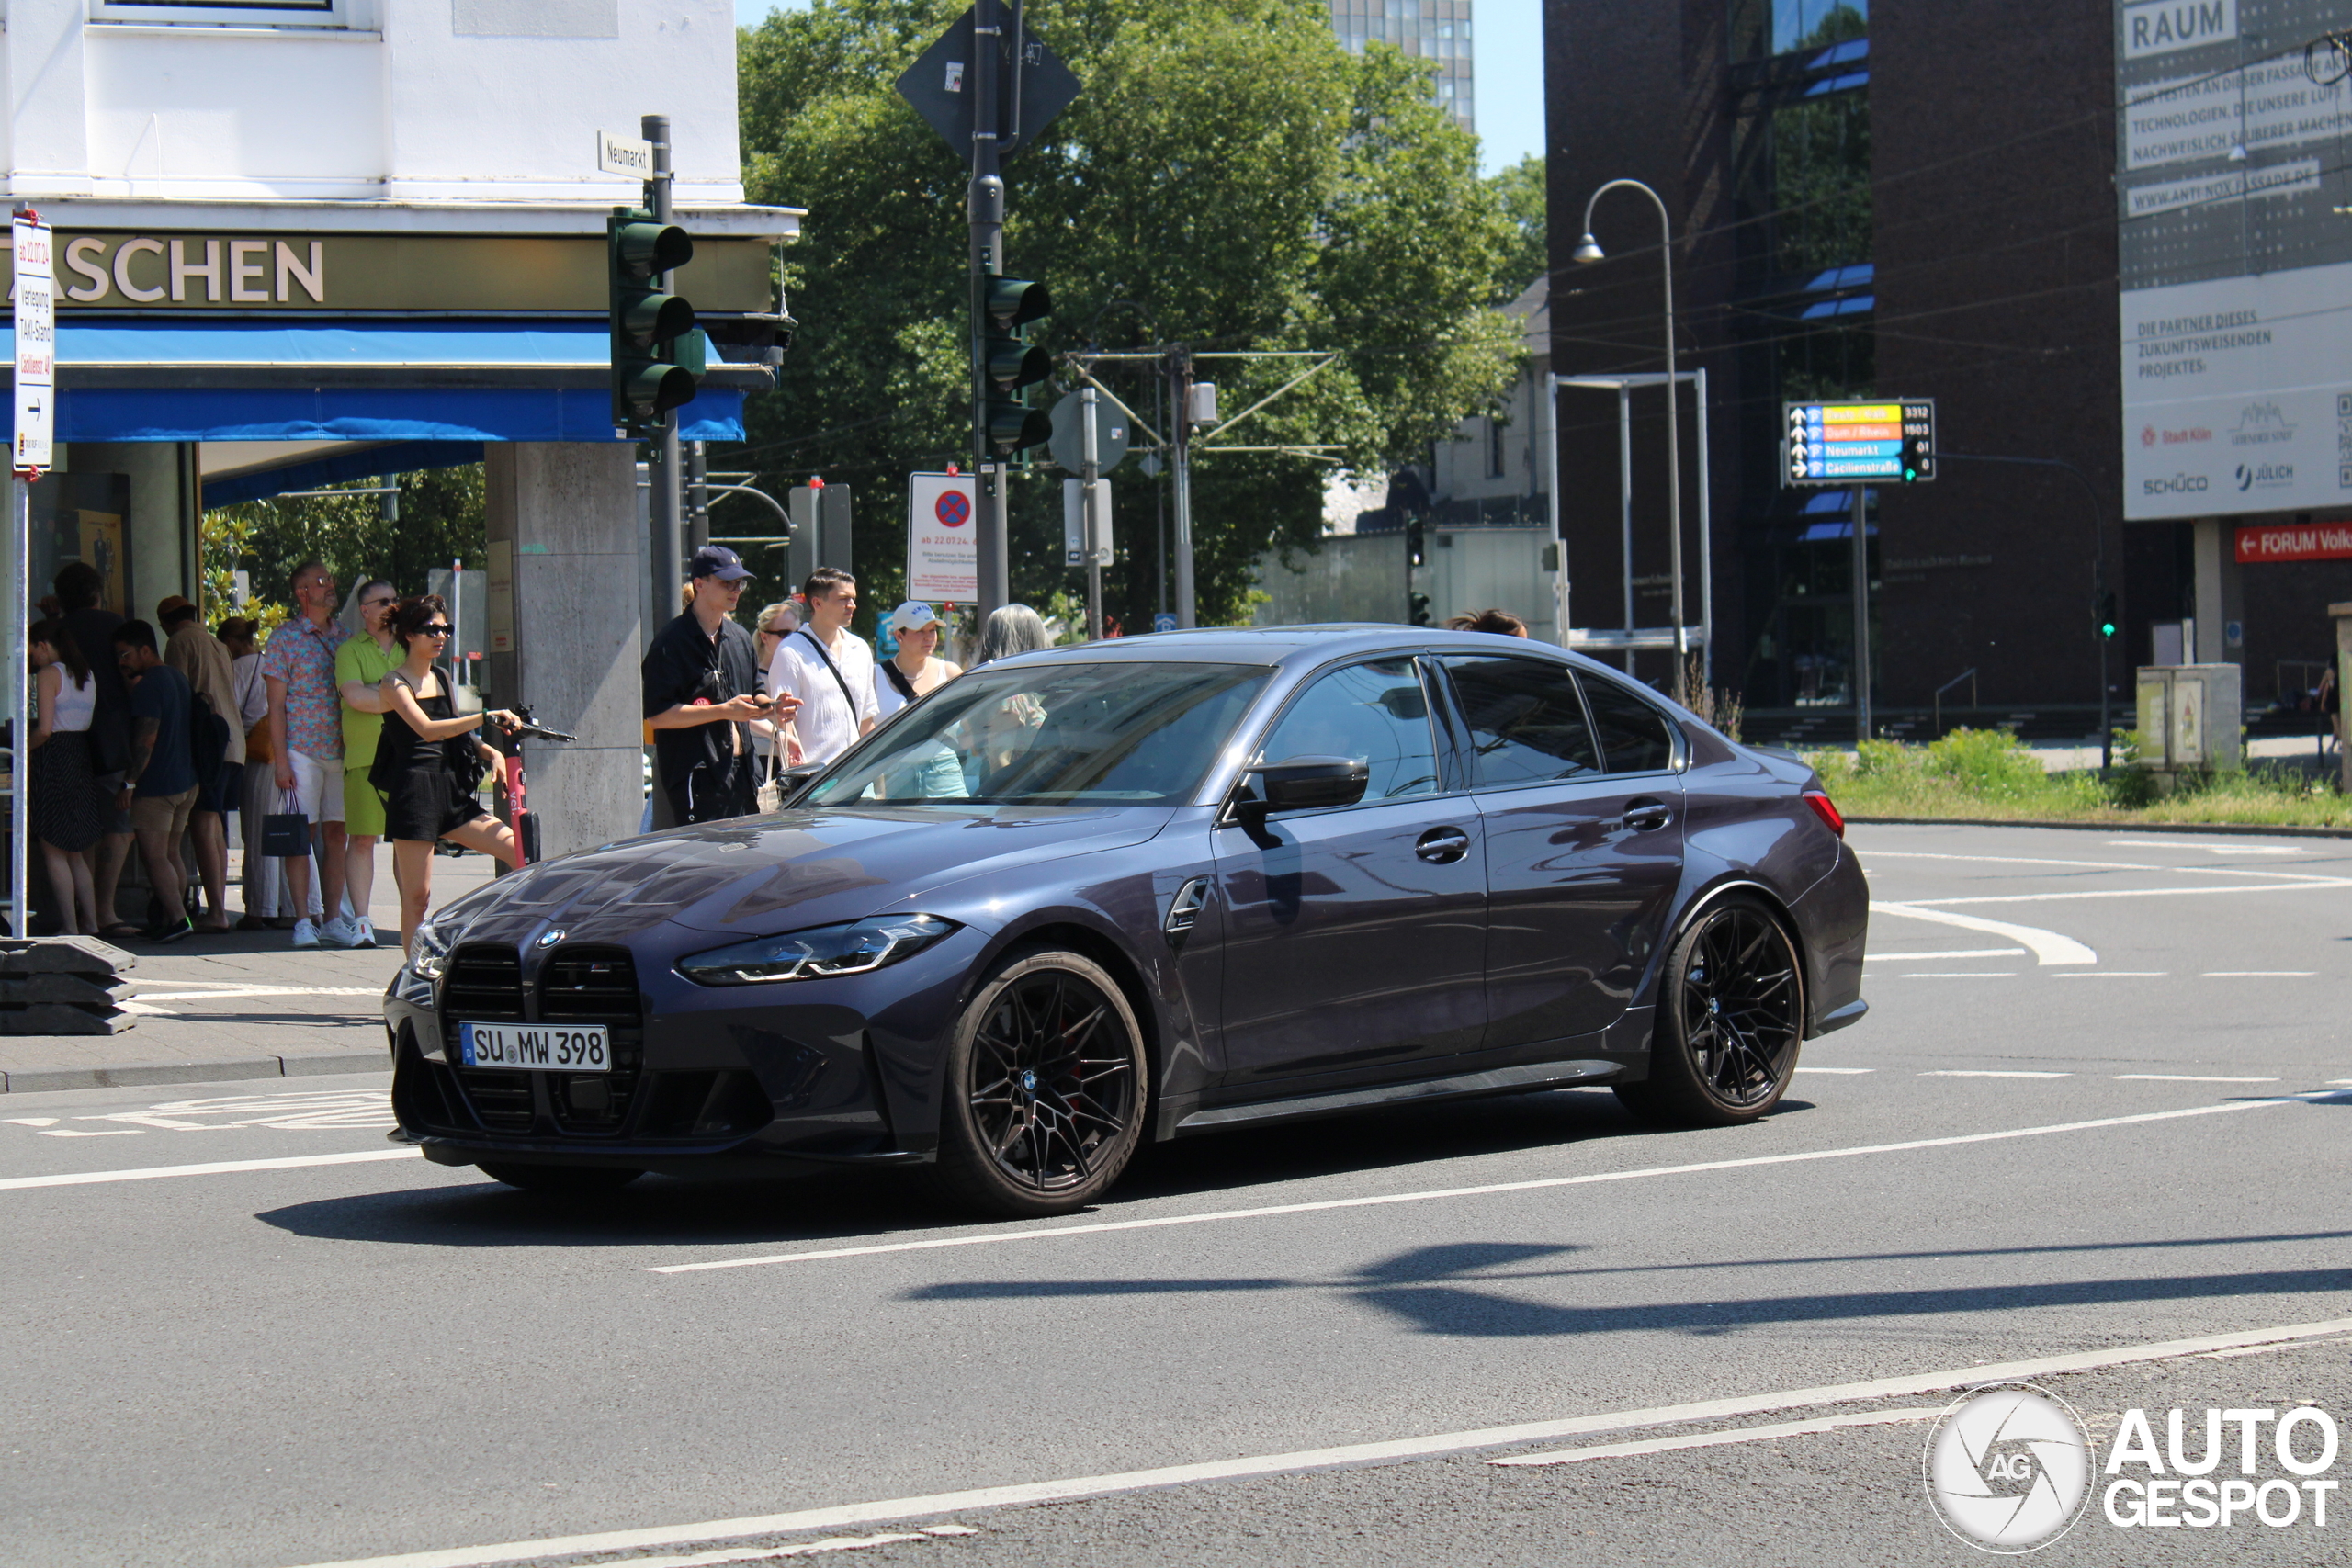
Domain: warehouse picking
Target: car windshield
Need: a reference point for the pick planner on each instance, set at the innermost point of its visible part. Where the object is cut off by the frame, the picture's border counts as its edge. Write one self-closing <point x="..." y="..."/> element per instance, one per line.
<point x="1106" y="732"/>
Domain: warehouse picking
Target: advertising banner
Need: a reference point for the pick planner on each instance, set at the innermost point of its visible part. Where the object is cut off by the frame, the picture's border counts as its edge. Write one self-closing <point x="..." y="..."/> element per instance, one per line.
<point x="942" y="557"/>
<point x="2236" y="266"/>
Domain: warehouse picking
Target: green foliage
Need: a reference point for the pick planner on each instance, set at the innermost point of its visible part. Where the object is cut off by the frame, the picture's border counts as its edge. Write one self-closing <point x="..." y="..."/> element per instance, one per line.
<point x="1990" y="762"/>
<point x="441" y="520"/>
<point x="1229" y="178"/>
<point x="1518" y="190"/>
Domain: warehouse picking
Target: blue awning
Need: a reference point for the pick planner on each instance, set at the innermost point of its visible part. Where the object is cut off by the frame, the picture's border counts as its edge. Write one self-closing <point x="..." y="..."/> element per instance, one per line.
<point x="433" y="381"/>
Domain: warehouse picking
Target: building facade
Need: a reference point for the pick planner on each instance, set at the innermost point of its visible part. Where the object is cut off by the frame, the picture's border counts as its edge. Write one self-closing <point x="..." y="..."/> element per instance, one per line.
<point x="1434" y="30"/>
<point x="308" y="240"/>
<point x="1881" y="199"/>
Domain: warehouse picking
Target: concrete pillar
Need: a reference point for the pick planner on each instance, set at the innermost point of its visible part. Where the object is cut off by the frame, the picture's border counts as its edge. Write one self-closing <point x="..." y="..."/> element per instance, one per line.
<point x="2221" y="599"/>
<point x="564" y="517"/>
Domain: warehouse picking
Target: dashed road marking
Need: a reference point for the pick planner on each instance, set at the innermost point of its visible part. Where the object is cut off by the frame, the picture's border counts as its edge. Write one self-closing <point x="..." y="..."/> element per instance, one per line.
<point x="1964" y="952"/>
<point x="2114" y="975"/>
<point x="2183" y="1077"/>
<point x="220" y="1167"/>
<point x="1984" y="1073"/>
<point x="2258" y="973"/>
<point x="1840" y="1070"/>
<point x="1960" y="975"/>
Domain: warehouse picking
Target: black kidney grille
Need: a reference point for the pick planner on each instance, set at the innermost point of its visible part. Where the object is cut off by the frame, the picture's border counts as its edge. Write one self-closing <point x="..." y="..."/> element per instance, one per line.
<point x="484" y="983"/>
<point x="589" y="983"/>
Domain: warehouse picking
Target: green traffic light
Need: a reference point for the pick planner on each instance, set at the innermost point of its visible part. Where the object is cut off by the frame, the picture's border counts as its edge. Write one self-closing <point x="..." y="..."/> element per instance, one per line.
<point x="2107" y="629"/>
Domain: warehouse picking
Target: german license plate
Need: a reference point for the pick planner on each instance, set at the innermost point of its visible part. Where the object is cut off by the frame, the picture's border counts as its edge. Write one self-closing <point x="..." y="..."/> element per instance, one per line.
<point x="535" y="1047"/>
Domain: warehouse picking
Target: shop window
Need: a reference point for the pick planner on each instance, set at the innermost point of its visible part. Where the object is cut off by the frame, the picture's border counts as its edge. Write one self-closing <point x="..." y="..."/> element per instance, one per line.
<point x="235" y="13"/>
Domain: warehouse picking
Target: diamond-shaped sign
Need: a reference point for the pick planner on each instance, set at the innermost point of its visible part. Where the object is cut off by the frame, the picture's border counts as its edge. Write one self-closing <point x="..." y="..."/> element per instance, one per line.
<point x="1032" y="87"/>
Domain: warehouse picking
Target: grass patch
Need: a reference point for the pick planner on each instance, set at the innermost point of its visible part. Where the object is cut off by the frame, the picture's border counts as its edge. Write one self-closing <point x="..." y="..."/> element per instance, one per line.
<point x="1988" y="773"/>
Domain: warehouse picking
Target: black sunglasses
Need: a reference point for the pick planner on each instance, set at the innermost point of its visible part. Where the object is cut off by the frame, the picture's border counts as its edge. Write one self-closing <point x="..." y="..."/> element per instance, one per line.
<point x="436" y="630"/>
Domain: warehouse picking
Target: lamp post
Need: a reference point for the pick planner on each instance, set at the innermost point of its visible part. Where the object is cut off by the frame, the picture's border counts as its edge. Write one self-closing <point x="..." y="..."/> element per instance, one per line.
<point x="1587" y="252"/>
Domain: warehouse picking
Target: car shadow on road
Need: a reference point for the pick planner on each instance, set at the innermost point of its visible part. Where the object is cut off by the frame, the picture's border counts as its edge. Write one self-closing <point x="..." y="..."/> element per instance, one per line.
<point x="878" y="1204"/>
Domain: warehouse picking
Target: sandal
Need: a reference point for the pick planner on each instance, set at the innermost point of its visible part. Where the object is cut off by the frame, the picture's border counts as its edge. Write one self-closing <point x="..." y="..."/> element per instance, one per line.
<point x="120" y="929"/>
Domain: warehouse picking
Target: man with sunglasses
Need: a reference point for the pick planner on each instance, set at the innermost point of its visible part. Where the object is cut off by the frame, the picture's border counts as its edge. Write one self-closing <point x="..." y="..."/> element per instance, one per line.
<point x="702" y="693"/>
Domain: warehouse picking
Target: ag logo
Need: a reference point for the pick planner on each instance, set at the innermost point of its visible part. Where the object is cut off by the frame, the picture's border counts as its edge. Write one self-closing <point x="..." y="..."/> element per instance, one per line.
<point x="2009" y="1468"/>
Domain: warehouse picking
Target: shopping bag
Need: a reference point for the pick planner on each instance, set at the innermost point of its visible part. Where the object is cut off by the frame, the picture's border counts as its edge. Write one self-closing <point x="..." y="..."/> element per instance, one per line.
<point x="286" y="832"/>
<point x="769" y="796"/>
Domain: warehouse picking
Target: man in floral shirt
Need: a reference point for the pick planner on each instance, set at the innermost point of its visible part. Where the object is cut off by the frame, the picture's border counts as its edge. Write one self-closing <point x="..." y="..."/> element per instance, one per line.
<point x="306" y="740"/>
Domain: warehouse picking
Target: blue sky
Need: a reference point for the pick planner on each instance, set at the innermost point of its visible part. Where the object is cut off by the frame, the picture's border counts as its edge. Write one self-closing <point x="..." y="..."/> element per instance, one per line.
<point x="1509" y="38"/>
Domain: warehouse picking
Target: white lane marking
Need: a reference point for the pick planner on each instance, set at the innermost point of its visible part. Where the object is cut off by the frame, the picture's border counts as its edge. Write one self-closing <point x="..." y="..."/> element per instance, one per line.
<point x="1977" y="1073"/>
<point x="81" y="1132"/>
<point x="2113" y="974"/>
<point x="143" y="1010"/>
<point x="1960" y="975"/>
<point x="806" y="1549"/>
<point x="2115" y="866"/>
<point x="2141" y="892"/>
<point x="1431" y="1446"/>
<point x="2047" y="947"/>
<point x="1836" y="1069"/>
<point x="1717" y="1439"/>
<point x="2257" y="974"/>
<point x="1435" y="1194"/>
<point x="2182" y="1077"/>
<point x="2216" y="848"/>
<point x="31" y="1120"/>
<point x="1962" y="952"/>
<point x="230" y="993"/>
<point x="219" y="1167"/>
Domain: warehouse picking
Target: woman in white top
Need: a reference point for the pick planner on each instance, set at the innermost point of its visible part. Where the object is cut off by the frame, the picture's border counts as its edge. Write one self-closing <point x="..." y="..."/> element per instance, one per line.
<point x="913" y="669"/>
<point x="65" y="814"/>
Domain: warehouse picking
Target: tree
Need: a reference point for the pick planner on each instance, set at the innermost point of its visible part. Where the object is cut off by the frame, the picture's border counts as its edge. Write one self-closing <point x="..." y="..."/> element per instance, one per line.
<point x="1518" y="190"/>
<point x="441" y="519"/>
<point x="1229" y="178"/>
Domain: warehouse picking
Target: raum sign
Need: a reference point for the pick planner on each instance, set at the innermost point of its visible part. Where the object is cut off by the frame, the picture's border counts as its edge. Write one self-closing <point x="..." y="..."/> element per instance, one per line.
<point x="943" y="553"/>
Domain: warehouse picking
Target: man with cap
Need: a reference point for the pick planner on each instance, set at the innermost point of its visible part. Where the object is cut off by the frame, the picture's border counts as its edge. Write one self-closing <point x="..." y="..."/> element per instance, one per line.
<point x="702" y="690"/>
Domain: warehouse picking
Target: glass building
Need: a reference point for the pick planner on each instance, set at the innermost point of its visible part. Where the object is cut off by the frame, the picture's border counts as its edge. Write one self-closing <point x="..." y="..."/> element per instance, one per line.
<point x="1434" y="30"/>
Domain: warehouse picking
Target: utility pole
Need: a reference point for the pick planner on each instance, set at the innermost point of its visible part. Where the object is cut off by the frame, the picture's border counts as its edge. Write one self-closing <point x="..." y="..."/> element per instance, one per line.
<point x="1090" y="511"/>
<point x="697" y="494"/>
<point x="1861" y="569"/>
<point x="1180" y="396"/>
<point x="984" y="208"/>
<point x="669" y="553"/>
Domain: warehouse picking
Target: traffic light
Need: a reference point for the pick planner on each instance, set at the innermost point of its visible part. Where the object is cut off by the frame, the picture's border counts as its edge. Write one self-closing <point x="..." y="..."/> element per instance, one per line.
<point x="1416" y="545"/>
<point x="1420" y="604"/>
<point x="658" y="354"/>
<point x="2108" y="623"/>
<point x="1009" y="365"/>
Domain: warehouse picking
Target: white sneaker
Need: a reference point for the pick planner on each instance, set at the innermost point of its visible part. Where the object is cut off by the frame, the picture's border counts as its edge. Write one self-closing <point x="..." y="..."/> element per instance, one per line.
<point x="341" y="931"/>
<point x="361" y="932"/>
<point x="306" y="934"/>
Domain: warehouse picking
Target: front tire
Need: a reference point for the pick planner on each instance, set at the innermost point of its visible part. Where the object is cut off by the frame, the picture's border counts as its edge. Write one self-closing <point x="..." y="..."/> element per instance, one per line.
<point x="1730" y="1020"/>
<point x="562" y="1180"/>
<point x="1044" y="1091"/>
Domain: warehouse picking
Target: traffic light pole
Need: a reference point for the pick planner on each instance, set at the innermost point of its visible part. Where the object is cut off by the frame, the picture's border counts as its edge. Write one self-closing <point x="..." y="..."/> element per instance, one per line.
<point x="1861" y="570"/>
<point x="669" y="550"/>
<point x="1090" y="510"/>
<point x="1180" y="396"/>
<point x="984" y="208"/>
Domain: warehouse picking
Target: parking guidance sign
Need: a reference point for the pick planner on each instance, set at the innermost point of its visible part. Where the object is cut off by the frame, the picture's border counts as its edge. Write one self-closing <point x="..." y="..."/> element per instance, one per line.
<point x="1843" y="443"/>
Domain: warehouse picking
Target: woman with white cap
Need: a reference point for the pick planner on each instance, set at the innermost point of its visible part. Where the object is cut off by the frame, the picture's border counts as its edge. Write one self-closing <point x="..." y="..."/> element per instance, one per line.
<point x="914" y="669"/>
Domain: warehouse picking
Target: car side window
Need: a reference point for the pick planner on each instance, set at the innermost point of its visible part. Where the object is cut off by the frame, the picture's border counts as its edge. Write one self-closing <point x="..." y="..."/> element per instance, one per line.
<point x="1374" y="712"/>
<point x="1633" y="737"/>
<point x="1526" y="722"/>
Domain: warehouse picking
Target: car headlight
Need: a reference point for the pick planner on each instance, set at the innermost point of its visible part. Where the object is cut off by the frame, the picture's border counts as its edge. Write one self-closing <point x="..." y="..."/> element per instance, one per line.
<point x="815" y="954"/>
<point x="428" y="960"/>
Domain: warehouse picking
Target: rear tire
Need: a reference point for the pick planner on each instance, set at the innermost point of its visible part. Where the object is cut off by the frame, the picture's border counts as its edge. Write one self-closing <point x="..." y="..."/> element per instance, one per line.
<point x="1730" y="1020"/>
<point x="562" y="1180"/>
<point x="1044" y="1096"/>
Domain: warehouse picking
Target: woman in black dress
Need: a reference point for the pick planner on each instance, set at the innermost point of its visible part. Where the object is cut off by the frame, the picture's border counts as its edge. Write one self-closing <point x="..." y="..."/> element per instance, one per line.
<point x="67" y="813"/>
<point x="427" y="760"/>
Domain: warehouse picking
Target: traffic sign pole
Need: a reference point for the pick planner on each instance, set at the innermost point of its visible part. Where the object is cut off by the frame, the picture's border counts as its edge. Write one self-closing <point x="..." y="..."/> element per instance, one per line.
<point x="1861" y="676"/>
<point x="34" y="399"/>
<point x="1092" y="503"/>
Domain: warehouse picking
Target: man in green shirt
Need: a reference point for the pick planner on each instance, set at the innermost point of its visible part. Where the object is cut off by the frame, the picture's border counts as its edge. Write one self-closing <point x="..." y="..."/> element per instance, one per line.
<point x="360" y="663"/>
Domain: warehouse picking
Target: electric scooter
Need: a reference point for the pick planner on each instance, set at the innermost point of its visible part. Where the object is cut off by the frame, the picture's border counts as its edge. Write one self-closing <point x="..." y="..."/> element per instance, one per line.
<point x="525" y="821"/>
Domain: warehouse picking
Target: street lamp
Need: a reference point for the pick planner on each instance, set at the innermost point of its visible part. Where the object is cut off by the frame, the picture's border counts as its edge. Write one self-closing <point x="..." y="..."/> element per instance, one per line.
<point x="1588" y="251"/>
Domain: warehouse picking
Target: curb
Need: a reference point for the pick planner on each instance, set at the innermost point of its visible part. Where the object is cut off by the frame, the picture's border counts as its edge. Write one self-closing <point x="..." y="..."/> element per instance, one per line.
<point x="2237" y="829"/>
<point x="373" y="1061"/>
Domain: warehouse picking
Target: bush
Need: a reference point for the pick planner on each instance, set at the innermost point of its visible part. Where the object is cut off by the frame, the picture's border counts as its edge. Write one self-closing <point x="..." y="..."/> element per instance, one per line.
<point x="1990" y="762"/>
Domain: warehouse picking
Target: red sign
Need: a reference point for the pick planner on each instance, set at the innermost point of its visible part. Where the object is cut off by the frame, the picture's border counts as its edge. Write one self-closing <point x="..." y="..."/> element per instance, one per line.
<point x="2307" y="541"/>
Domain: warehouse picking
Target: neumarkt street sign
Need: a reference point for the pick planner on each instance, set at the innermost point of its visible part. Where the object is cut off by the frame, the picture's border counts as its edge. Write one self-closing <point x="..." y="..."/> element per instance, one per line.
<point x="1032" y="86"/>
<point x="1843" y="443"/>
<point x="121" y="272"/>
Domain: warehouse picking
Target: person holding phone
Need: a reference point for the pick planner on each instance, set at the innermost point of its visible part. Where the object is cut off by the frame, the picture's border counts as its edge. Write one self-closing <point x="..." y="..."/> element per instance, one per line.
<point x="428" y="758"/>
<point x="701" y="681"/>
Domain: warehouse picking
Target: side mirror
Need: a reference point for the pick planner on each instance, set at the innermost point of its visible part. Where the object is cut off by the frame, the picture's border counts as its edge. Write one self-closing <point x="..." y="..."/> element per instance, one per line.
<point x="1304" y="783"/>
<point x="796" y="779"/>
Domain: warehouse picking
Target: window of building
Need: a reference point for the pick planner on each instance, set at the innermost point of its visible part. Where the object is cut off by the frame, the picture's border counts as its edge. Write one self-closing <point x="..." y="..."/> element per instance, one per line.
<point x="235" y="13"/>
<point x="1497" y="450"/>
<point x="1762" y="28"/>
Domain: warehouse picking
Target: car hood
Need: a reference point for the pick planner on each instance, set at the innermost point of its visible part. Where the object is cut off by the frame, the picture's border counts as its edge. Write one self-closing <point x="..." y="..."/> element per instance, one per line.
<point x="751" y="877"/>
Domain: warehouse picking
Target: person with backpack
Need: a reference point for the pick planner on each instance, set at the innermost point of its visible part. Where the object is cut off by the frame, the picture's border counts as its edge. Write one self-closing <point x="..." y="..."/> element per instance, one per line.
<point x="426" y="760"/>
<point x="159" y="787"/>
<point x="211" y="674"/>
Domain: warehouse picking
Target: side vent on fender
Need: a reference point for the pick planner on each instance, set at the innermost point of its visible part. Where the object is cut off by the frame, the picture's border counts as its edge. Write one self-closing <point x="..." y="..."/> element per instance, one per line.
<point x="1185" y="908"/>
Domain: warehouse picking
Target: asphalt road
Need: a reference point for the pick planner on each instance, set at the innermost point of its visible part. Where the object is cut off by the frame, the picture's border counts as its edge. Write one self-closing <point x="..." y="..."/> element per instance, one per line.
<point x="2106" y="1110"/>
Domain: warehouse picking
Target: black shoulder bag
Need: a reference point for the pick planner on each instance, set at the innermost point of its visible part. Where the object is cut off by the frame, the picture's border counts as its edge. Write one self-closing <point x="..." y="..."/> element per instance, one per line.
<point x="848" y="701"/>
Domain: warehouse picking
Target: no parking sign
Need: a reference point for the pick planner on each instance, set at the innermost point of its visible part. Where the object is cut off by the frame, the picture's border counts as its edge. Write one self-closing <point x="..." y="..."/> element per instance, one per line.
<point x="943" y="557"/>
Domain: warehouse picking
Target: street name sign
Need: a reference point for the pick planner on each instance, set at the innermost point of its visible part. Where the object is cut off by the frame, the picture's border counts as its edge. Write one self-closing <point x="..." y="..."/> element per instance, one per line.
<point x="943" y="556"/>
<point x="627" y="155"/>
<point x="1032" y="86"/>
<point x="36" y="302"/>
<point x="1843" y="443"/>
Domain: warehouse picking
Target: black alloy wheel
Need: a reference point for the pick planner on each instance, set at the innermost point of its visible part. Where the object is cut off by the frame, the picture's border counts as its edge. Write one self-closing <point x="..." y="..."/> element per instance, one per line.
<point x="1731" y="1019"/>
<point x="1047" y="1085"/>
<point x="563" y="1180"/>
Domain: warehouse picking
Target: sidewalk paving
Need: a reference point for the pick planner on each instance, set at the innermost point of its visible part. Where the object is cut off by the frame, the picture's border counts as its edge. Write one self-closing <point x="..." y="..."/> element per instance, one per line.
<point x="246" y="1005"/>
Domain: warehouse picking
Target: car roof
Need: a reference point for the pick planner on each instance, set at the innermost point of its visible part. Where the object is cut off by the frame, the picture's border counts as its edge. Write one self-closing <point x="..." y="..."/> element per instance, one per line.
<point x="1276" y="646"/>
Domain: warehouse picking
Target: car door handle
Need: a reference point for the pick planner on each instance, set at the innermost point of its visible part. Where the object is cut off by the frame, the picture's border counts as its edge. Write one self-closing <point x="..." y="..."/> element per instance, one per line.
<point x="1647" y="816"/>
<point x="1441" y="846"/>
